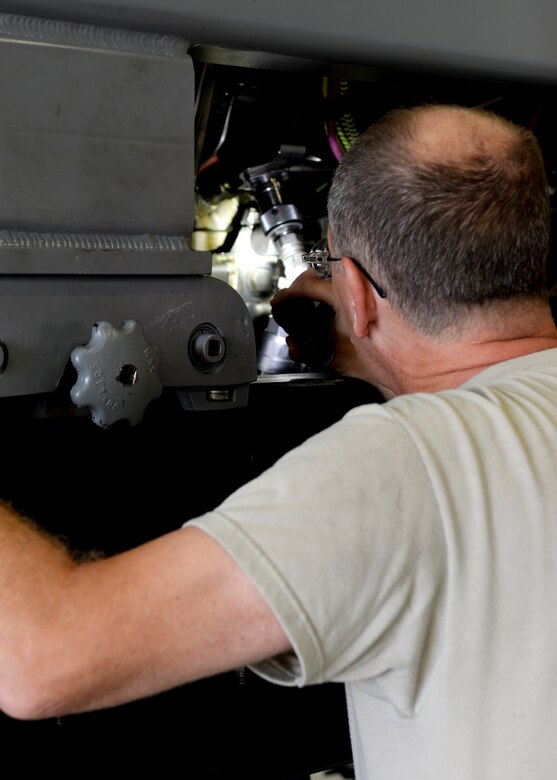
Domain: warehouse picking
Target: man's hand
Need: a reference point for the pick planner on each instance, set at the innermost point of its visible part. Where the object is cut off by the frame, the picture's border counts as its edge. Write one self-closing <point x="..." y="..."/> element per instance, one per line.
<point x="309" y="286"/>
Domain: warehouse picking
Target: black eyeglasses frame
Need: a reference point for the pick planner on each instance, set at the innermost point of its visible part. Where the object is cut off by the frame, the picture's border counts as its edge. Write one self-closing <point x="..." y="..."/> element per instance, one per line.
<point x="319" y="258"/>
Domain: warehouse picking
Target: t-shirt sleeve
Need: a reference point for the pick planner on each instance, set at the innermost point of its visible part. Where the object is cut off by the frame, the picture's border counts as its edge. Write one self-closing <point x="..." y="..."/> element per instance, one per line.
<point x="343" y="539"/>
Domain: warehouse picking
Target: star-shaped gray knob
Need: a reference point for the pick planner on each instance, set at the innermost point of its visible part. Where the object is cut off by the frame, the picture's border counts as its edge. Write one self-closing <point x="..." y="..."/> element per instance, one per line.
<point x="117" y="373"/>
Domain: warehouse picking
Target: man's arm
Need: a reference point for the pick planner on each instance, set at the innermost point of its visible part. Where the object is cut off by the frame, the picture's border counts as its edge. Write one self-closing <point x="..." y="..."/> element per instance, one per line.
<point x="76" y="637"/>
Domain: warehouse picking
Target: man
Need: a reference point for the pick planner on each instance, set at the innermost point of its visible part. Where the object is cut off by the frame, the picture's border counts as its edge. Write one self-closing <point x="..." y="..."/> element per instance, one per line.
<point x="408" y="551"/>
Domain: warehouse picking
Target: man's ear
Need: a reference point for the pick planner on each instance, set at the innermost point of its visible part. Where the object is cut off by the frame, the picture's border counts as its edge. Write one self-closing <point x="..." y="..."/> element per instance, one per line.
<point x="359" y="299"/>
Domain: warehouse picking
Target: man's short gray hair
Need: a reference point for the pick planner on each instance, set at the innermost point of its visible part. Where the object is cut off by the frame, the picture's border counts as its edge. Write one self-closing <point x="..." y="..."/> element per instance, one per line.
<point x="442" y="235"/>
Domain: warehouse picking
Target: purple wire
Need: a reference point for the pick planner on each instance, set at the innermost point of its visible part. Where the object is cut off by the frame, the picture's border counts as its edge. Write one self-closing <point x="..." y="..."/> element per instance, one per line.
<point x="337" y="151"/>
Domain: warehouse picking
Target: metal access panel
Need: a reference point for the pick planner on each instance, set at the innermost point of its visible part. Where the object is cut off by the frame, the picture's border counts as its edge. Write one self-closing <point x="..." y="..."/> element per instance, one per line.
<point x="96" y="131"/>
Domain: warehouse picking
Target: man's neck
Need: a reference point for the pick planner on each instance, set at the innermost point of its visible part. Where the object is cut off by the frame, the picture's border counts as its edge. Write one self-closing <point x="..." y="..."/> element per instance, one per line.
<point x="418" y="363"/>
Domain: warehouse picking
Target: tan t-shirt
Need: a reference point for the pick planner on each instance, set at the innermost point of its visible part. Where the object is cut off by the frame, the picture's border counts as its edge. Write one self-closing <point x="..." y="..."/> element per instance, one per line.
<point x="410" y="551"/>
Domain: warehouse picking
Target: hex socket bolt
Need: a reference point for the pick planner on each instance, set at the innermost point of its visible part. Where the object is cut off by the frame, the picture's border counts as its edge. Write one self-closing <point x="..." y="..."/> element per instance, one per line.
<point x="208" y="348"/>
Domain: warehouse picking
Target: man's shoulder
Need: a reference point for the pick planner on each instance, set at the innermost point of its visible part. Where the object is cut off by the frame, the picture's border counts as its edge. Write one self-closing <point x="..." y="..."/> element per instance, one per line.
<point x="533" y="363"/>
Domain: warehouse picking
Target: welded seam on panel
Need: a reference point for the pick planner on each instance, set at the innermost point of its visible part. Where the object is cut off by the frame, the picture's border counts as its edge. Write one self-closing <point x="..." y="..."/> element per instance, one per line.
<point x="49" y="31"/>
<point x="92" y="242"/>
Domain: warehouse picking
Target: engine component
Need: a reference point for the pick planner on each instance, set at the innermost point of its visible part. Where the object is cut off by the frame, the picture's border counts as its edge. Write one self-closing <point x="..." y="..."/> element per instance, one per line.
<point x="281" y="219"/>
<point x="282" y="223"/>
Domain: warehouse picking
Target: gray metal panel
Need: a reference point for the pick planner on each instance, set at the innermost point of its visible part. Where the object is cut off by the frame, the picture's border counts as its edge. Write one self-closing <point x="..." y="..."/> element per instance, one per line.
<point x="96" y="130"/>
<point x="509" y="38"/>
<point x="42" y="319"/>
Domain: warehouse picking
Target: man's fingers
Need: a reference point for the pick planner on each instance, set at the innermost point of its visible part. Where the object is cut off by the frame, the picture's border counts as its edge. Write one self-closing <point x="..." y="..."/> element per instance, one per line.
<point x="306" y="285"/>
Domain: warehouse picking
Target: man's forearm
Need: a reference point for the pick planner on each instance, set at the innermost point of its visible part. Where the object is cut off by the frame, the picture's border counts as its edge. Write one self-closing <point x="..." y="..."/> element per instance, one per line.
<point x="33" y="569"/>
<point x="76" y="637"/>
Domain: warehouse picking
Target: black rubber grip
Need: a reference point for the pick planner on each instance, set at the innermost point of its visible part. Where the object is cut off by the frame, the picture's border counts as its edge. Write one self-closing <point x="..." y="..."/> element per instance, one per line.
<point x="308" y="323"/>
